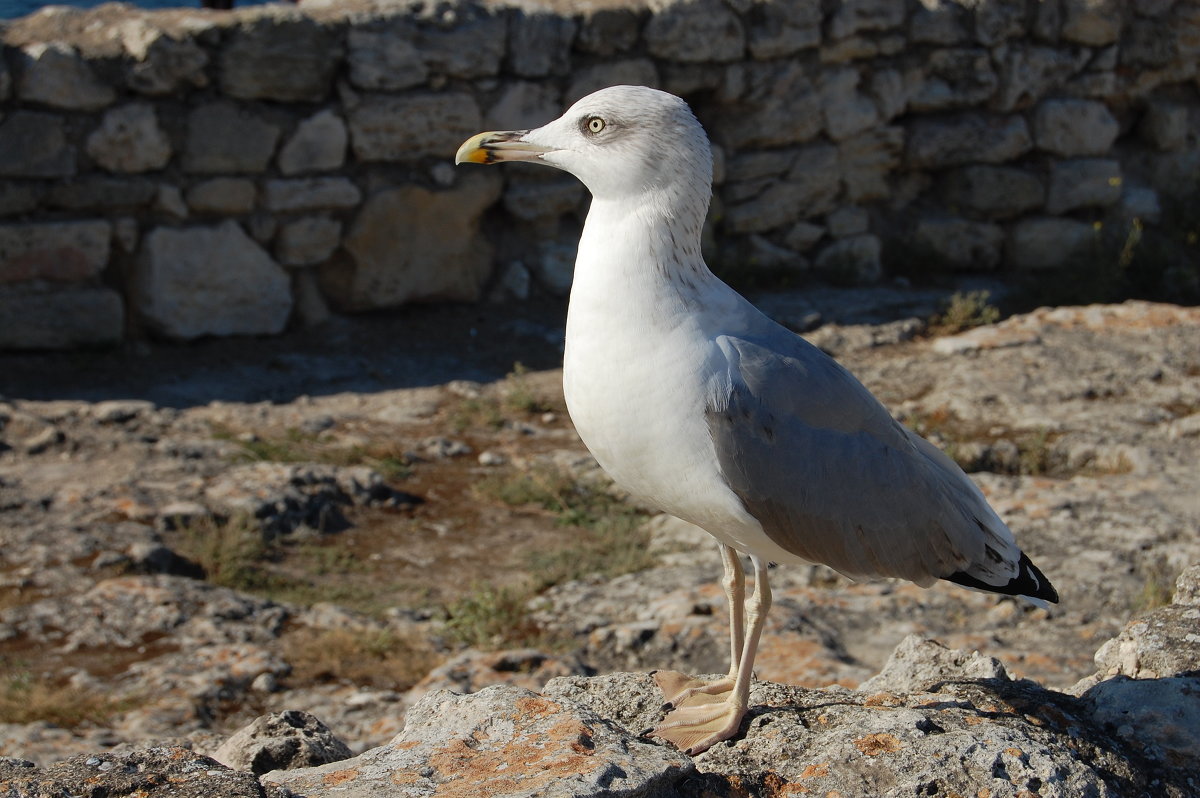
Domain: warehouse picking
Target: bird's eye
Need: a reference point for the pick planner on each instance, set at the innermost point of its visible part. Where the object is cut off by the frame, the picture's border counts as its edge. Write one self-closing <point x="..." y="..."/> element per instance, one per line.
<point x="595" y="124"/>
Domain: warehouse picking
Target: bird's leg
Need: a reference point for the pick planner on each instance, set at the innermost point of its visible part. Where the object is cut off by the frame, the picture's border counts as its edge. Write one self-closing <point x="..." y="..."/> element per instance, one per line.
<point x="677" y="687"/>
<point x="700" y="721"/>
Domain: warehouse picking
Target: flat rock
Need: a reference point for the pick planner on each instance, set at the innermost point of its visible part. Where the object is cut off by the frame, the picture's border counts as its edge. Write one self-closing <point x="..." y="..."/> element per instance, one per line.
<point x="967" y="138"/>
<point x="54" y="74"/>
<point x="210" y="281"/>
<point x="317" y="145"/>
<point x="223" y="137"/>
<point x="502" y="741"/>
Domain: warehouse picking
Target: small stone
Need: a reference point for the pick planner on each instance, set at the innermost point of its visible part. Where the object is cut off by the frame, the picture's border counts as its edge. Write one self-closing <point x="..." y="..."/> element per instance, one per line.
<point x="169" y="200"/>
<point x="282" y="741"/>
<point x="803" y="235"/>
<point x="554" y="267"/>
<point x="491" y="459"/>
<point x="318" y="145"/>
<point x="227" y="196"/>
<point x="515" y="281"/>
<point x="129" y="139"/>
<point x="313" y="193"/>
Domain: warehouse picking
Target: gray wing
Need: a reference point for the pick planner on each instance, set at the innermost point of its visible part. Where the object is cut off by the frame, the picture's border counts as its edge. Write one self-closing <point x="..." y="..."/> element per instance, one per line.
<point x="834" y="479"/>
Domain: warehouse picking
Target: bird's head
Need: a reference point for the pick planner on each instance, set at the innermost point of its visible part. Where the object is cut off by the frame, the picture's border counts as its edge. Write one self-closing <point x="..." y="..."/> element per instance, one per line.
<point x="622" y="142"/>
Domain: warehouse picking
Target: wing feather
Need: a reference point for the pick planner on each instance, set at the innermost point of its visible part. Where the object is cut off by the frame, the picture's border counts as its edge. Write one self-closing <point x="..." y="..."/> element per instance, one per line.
<point x="833" y="478"/>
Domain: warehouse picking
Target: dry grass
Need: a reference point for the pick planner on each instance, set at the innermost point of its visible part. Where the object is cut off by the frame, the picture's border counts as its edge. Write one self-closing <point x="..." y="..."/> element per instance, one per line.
<point x="26" y="698"/>
<point x="366" y="656"/>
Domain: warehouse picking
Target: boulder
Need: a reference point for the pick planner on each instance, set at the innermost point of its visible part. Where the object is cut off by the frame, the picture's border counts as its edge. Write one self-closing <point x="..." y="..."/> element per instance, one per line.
<point x="54" y="74"/>
<point x="60" y="318"/>
<point x="698" y="31"/>
<point x="129" y="139"/>
<point x="199" y="281"/>
<point x="61" y="252"/>
<point x="407" y="127"/>
<point x="281" y="741"/>
<point x="410" y="243"/>
<point x="966" y="138"/>
<point x="502" y="741"/>
<point x="34" y="144"/>
<point x="317" y="145"/>
<point x="995" y="192"/>
<point x="959" y="243"/>
<point x="1046" y="243"/>
<point x="385" y="59"/>
<point x="225" y="138"/>
<point x="1072" y="128"/>
<point x="281" y="58"/>
<point x="1083" y="183"/>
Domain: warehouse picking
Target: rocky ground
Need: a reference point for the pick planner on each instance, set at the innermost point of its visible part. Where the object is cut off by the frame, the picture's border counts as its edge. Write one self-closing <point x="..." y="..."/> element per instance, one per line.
<point x="345" y="520"/>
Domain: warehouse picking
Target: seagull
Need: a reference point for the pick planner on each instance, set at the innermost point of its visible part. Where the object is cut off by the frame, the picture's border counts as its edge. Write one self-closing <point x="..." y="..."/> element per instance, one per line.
<point x="694" y="401"/>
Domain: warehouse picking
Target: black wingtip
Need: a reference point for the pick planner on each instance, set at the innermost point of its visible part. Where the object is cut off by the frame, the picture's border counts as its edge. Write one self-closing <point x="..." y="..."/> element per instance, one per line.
<point x="1029" y="582"/>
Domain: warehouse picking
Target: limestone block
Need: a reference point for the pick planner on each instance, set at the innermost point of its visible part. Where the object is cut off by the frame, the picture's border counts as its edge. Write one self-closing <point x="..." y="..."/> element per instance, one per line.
<point x="1074" y="127"/>
<point x="802" y="236"/>
<point x="540" y="44"/>
<point x="956" y="78"/>
<point x="60" y="318"/>
<point x="318" y="145"/>
<point x="1165" y="126"/>
<point x="410" y="243"/>
<point x="695" y="31"/>
<point x="997" y="21"/>
<point x="197" y="281"/>
<point x="891" y="90"/>
<point x="780" y="107"/>
<point x="779" y="30"/>
<point x="306" y="241"/>
<point x="1140" y="202"/>
<point x="810" y="188"/>
<point x="53" y="251"/>
<point x="997" y="192"/>
<point x="101" y="193"/>
<point x="312" y="193"/>
<point x="223" y="138"/>
<point x="161" y="64"/>
<point x="607" y="31"/>
<point x="19" y="198"/>
<point x="288" y="59"/>
<point x="959" y="243"/>
<point x="1083" y="183"/>
<point x="627" y="72"/>
<point x="866" y="161"/>
<point x="54" y="74"/>
<point x="407" y="127"/>
<point x="1094" y="23"/>
<point x="169" y="200"/>
<point x="472" y="48"/>
<point x="1046" y="243"/>
<point x="856" y="16"/>
<point x="938" y="22"/>
<point x="223" y="195"/>
<point x="386" y="59"/>
<point x="851" y="261"/>
<point x="966" y="138"/>
<point x="848" y="221"/>
<point x="5" y="81"/>
<point x="524" y="104"/>
<point x="130" y="140"/>
<point x="542" y="198"/>
<point x="846" y="111"/>
<point x="1029" y="73"/>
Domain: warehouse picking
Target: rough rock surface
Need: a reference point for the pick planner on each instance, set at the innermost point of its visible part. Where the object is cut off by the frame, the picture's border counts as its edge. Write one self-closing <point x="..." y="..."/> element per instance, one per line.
<point x="369" y="471"/>
<point x="281" y="741"/>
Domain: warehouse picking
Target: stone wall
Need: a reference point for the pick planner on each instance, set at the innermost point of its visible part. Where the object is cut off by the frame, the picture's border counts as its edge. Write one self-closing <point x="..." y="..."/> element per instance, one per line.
<point x="189" y="173"/>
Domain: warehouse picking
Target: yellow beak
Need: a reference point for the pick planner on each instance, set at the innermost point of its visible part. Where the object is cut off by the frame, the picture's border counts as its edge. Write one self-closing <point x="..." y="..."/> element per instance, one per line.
<point x="495" y="146"/>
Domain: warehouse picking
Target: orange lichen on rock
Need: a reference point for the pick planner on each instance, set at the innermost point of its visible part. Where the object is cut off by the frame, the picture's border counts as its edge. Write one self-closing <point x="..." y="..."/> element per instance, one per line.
<point x="876" y="744"/>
